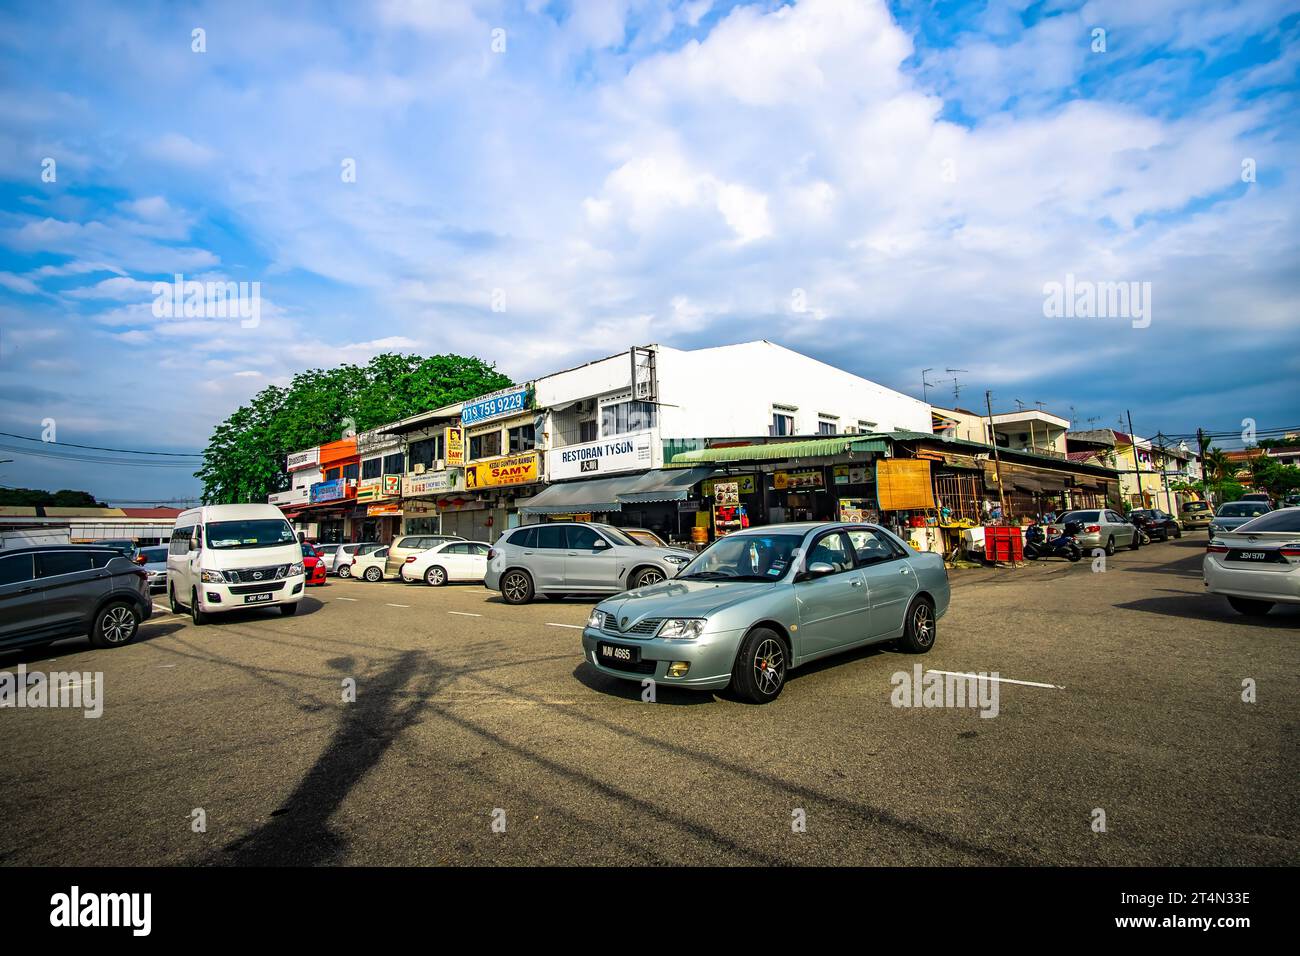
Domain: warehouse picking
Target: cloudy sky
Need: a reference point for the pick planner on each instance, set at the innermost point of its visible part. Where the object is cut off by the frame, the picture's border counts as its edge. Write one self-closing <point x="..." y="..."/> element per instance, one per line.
<point x="885" y="186"/>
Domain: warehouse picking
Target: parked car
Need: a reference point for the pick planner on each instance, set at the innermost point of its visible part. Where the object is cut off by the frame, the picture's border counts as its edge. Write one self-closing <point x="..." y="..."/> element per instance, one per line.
<point x="449" y="561"/>
<point x="223" y="557"/>
<point x="48" y="592"/>
<point x="1197" y="514"/>
<point x="403" y="547"/>
<point x="564" y="558"/>
<point x="1102" y="528"/>
<point x="125" y="545"/>
<point x="313" y="565"/>
<point x="1259" y="496"/>
<point x="1156" y="523"/>
<point x="1256" y="564"/>
<point x="761" y="601"/>
<point x="372" y="566"/>
<point x="1234" y="514"/>
<point x="1291" y="501"/>
<point x="338" y="557"/>
<point x="154" y="561"/>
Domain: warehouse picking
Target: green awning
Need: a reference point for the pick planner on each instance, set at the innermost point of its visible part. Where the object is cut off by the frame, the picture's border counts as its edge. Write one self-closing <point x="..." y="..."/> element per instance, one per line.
<point x="780" y="451"/>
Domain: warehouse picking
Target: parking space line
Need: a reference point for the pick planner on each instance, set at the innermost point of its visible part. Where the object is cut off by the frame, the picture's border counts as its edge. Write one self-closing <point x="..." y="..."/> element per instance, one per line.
<point x="397" y="605"/>
<point x="159" y="607"/>
<point x="1000" y="680"/>
<point x="346" y="599"/>
<point x="576" y="627"/>
<point x="464" y="614"/>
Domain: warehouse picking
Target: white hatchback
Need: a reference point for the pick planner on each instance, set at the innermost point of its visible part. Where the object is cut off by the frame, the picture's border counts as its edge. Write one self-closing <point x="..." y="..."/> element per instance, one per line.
<point x="1258" y="564"/>
<point x="452" y="561"/>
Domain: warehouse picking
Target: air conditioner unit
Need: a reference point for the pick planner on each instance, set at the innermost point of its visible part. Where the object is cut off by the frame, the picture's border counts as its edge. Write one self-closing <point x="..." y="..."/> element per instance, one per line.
<point x="439" y="464"/>
<point x="419" y="468"/>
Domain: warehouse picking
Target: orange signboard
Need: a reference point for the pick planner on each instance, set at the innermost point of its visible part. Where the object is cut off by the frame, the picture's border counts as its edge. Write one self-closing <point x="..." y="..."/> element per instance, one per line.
<point x="903" y="484"/>
<point x="511" y="470"/>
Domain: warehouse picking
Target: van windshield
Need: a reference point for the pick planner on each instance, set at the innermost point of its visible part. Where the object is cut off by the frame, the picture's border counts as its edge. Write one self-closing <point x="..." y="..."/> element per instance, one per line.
<point x="256" y="533"/>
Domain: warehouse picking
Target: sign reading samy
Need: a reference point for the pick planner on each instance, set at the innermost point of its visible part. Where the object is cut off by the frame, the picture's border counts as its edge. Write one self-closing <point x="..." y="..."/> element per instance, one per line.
<point x="510" y="470"/>
<point x="454" y="446"/>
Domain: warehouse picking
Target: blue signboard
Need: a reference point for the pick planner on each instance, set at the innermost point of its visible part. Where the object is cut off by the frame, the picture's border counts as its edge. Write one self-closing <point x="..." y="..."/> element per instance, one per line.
<point x="327" y="491"/>
<point x="497" y="405"/>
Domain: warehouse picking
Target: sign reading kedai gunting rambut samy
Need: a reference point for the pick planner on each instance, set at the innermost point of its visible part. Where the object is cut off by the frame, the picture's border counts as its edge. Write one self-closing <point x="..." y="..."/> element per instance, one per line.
<point x="510" y="470"/>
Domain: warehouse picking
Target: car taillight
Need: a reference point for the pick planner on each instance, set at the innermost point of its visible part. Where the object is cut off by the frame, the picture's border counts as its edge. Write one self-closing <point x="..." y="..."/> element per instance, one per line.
<point x="410" y="559"/>
<point x="1092" y="528"/>
<point x="492" y="553"/>
<point x="1215" y="549"/>
<point x="1291" y="550"/>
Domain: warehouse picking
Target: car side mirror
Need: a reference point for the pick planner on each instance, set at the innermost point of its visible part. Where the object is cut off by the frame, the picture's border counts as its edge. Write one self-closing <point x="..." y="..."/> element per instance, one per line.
<point x="600" y="544"/>
<point x="818" y="569"/>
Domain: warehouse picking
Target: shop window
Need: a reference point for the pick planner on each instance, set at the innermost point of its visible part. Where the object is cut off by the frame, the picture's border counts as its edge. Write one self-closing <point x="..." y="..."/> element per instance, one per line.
<point x="487" y="445"/>
<point x="332" y="474"/>
<point x="625" y="417"/>
<point x="424" y="452"/>
<point x="587" y="431"/>
<point x="372" y="468"/>
<point x="395" y="464"/>
<point x="523" y="438"/>
<point x="351" y="471"/>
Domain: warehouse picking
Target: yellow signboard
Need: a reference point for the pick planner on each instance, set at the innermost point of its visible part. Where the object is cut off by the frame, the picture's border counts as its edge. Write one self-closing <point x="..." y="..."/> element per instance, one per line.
<point x="903" y="484"/>
<point x="746" y="483"/>
<point x="453" y="443"/>
<point x="510" y="470"/>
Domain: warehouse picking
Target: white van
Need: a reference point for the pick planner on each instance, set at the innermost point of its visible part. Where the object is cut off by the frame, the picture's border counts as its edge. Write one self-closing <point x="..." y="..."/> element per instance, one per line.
<point x="224" y="557"/>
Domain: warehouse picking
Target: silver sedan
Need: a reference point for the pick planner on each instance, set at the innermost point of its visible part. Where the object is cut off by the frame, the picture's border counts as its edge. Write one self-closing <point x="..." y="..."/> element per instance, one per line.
<point x="761" y="601"/>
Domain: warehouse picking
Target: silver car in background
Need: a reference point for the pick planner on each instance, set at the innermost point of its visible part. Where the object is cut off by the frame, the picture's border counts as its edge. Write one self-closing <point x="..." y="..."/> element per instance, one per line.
<point x="1234" y="514"/>
<point x="761" y="601"/>
<point x="563" y="558"/>
<point x="155" y="565"/>
<point x="1103" y="528"/>
<point x="338" y="558"/>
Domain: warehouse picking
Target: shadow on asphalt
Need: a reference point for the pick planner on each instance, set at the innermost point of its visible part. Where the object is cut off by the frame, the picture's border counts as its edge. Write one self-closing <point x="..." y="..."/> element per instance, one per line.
<point x="587" y="675"/>
<point x="1212" y="607"/>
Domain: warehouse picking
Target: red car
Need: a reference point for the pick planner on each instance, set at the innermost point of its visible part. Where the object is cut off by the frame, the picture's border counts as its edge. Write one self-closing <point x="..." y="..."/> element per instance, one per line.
<point x="313" y="565"/>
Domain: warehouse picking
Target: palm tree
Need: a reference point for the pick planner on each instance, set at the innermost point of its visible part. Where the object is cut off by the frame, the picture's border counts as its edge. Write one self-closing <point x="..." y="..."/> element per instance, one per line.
<point x="1218" y="465"/>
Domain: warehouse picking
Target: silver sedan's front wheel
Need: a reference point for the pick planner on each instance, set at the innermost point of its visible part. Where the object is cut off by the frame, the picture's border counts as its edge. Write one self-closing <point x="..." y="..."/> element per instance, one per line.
<point x="919" y="629"/>
<point x="760" y="669"/>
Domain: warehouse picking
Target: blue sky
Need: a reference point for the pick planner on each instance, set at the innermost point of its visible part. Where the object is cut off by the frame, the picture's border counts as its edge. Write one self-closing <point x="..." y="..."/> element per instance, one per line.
<point x="624" y="172"/>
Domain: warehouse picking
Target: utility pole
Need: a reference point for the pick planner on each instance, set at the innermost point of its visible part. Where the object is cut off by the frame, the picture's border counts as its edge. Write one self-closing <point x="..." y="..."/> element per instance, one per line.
<point x="1137" y="466"/>
<point x="997" y="458"/>
<point x="1164" y="471"/>
<point x="1200" y="459"/>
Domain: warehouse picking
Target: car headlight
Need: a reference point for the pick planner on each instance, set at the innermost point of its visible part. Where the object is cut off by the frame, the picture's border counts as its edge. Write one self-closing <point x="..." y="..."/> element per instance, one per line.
<point x="681" y="629"/>
<point x="596" y="618"/>
<point x="213" y="577"/>
<point x="295" y="569"/>
<point x="676" y="559"/>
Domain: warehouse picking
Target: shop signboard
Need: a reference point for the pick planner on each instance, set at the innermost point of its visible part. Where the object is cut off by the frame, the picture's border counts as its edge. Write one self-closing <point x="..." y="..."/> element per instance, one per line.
<point x="432" y="483"/>
<point x="510" y="401"/>
<point x="747" y="484"/>
<point x="607" y="456"/>
<point x="851" y="474"/>
<point x="302" y="459"/>
<point x="391" y="485"/>
<point x="453" y="443"/>
<point x="797" y="480"/>
<point x="294" y="496"/>
<point x="726" y="493"/>
<point x="383" y="511"/>
<point x="508" y="470"/>
<point x="323" y="491"/>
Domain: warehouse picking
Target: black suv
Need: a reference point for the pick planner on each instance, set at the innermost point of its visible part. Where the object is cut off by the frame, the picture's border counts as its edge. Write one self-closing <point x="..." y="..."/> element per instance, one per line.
<point x="56" y="591"/>
<point x="1156" y="523"/>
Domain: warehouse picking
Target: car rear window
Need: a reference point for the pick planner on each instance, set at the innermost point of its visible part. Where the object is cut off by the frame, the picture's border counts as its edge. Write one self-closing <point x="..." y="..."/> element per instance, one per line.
<point x="1243" y="509"/>
<point x="1288" y="519"/>
<point x="1196" y="506"/>
<point x="1084" y="516"/>
<point x="524" y="538"/>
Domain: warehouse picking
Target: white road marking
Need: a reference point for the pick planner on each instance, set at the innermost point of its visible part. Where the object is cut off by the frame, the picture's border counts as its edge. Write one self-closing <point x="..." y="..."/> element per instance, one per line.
<point x="345" y="599"/>
<point x="1000" y="680"/>
<point x="576" y="627"/>
<point x="397" y="605"/>
<point x="165" y="666"/>
<point x="159" y="607"/>
<point x="464" y="614"/>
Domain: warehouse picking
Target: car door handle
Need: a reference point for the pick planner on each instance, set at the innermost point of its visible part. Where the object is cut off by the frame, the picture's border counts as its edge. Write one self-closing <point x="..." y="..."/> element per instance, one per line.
<point x="904" y="570"/>
<point x="855" y="584"/>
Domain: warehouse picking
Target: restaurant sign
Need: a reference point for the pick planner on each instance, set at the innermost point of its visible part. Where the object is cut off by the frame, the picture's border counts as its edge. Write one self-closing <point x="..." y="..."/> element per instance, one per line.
<point x="797" y="480"/>
<point x="509" y="470"/>
<point x="432" y="483"/>
<point x="624" y="453"/>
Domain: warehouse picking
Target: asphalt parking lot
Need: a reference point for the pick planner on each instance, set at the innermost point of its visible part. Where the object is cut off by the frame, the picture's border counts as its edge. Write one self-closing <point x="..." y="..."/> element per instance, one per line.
<point x="470" y="712"/>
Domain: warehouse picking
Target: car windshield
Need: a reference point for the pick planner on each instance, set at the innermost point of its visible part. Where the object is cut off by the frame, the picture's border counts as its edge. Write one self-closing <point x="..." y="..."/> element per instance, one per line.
<point x="647" y="538"/>
<point x="745" y="557"/>
<point x="154" y="555"/>
<point x="1196" y="506"/>
<point x="254" y="533"/>
<point x="618" y="537"/>
<point x="1243" y="509"/>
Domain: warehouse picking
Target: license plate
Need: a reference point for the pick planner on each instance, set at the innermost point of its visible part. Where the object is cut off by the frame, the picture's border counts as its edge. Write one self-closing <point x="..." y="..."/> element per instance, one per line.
<point x="1254" y="557"/>
<point x="618" y="654"/>
<point x="257" y="598"/>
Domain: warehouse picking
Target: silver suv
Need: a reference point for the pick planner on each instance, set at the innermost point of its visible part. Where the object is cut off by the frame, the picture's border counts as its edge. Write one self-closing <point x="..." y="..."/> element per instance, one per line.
<point x="575" y="558"/>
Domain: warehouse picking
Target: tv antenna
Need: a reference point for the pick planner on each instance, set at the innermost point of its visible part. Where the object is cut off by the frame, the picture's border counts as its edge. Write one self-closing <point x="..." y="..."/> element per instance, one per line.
<point x="956" y="386"/>
<point x="925" y="384"/>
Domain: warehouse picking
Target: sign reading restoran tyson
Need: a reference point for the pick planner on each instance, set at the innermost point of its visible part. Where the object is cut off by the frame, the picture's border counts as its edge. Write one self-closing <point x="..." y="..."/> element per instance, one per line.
<point x="622" y="453"/>
<point x="510" y="401"/>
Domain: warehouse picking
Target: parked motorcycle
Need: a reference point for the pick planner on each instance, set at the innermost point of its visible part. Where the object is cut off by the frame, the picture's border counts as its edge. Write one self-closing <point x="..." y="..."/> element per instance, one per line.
<point x="1038" y="545"/>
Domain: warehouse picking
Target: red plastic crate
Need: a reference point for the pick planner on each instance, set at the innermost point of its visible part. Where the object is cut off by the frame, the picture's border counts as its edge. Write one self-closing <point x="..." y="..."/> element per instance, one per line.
<point x="1003" y="543"/>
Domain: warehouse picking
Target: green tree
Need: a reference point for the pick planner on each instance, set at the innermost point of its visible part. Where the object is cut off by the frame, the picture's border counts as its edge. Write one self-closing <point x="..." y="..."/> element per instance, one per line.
<point x="244" y="460"/>
<point x="32" y="497"/>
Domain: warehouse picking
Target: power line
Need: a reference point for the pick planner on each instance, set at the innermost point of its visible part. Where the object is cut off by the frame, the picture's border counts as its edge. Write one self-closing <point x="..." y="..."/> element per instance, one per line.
<point x="123" y="451"/>
<point x="97" y="461"/>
